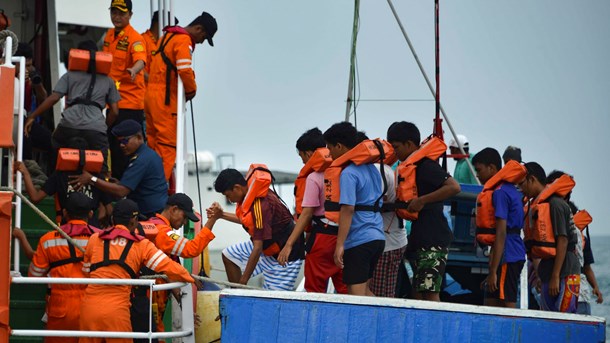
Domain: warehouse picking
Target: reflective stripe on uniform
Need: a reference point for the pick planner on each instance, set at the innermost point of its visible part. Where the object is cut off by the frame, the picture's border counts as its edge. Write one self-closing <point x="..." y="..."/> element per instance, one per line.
<point x="154" y="261"/>
<point x="186" y="66"/>
<point x="62" y="242"/>
<point x="176" y="245"/>
<point x="35" y="271"/>
<point x="182" y="245"/>
<point x="184" y="60"/>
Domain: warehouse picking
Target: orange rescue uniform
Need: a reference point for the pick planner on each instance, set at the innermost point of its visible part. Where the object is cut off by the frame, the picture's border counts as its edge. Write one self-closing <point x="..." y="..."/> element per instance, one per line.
<point x="56" y="257"/>
<point x="173" y="58"/>
<point x="127" y="47"/>
<point x="114" y="314"/>
<point x="175" y="246"/>
<point x="151" y="47"/>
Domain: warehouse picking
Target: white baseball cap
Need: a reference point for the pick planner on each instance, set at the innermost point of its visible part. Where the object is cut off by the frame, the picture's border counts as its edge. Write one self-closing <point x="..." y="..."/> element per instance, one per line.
<point x="462" y="139"/>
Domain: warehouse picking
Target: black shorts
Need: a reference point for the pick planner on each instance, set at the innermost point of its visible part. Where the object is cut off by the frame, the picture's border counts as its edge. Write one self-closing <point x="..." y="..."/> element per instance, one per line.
<point x="360" y="261"/>
<point x="508" y="282"/>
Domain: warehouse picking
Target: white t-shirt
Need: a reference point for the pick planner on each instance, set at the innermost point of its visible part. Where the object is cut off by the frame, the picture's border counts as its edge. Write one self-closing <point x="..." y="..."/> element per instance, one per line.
<point x="395" y="237"/>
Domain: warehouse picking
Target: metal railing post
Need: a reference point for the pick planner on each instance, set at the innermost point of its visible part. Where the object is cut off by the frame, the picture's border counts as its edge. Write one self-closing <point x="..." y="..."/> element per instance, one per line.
<point x="19" y="179"/>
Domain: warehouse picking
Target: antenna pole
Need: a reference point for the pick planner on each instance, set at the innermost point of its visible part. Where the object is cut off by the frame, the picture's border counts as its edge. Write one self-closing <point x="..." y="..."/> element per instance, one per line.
<point x="352" y="67"/>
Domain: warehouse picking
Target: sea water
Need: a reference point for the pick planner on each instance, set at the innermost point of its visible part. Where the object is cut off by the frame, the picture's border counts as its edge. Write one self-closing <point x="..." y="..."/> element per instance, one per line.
<point x="601" y="267"/>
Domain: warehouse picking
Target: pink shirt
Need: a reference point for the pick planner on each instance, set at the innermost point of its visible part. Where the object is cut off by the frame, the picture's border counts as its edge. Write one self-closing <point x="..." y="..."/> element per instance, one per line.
<point x="314" y="193"/>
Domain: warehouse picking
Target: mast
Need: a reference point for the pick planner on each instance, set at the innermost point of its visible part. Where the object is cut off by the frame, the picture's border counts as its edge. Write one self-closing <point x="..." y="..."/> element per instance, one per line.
<point x="351" y="91"/>
<point x="423" y="72"/>
<point x="438" y="122"/>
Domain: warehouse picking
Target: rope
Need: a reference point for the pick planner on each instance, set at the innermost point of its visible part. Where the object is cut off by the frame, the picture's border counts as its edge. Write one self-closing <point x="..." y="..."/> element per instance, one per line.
<point x="202" y="278"/>
<point x="6" y="33"/>
<point x="43" y="216"/>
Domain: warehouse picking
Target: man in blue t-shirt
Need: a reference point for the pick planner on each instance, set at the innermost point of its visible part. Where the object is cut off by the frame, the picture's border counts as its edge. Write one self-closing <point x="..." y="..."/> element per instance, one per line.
<point x="508" y="251"/>
<point x="143" y="181"/>
<point x="360" y="240"/>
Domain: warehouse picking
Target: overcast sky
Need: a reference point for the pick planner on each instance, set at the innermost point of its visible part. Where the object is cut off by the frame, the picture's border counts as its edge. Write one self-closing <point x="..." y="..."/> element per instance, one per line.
<point x="534" y="74"/>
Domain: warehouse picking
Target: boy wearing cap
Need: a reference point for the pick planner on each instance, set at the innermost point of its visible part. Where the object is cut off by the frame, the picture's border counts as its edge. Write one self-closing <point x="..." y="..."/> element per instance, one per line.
<point x="462" y="173"/>
<point x="172" y="59"/>
<point x="128" y="51"/>
<point x="56" y="257"/>
<point x="142" y="181"/>
<point x="119" y="253"/>
<point x="272" y="225"/>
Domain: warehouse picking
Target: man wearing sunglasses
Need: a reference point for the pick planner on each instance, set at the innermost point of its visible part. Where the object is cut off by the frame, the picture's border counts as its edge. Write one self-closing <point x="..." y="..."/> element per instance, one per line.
<point x="143" y="180"/>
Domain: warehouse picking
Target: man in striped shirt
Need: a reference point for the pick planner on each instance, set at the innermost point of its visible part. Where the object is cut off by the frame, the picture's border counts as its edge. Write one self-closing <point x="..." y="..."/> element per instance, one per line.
<point x="56" y="257"/>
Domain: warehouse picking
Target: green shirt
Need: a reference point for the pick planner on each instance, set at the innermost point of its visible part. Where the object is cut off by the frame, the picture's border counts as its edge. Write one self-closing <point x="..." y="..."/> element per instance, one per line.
<point x="462" y="173"/>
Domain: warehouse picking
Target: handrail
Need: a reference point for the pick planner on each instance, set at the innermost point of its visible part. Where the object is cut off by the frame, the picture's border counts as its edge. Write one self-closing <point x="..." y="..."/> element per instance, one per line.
<point x="100" y="334"/>
<point x="205" y="279"/>
<point x="108" y="334"/>
<point x="21" y="61"/>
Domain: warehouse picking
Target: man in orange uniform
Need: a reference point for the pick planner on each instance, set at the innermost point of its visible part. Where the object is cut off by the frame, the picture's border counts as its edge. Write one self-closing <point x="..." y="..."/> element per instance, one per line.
<point x="173" y="58"/>
<point x="119" y="253"/>
<point x="151" y="37"/>
<point x="179" y="208"/>
<point x="57" y="257"/>
<point x="128" y="59"/>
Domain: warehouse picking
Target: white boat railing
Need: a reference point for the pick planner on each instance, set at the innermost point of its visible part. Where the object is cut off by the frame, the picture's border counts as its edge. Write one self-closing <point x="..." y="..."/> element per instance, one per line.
<point x="106" y="334"/>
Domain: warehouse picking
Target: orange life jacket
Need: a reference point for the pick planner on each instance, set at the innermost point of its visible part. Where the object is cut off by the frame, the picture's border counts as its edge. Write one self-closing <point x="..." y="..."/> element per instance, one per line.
<point x="150" y="230"/>
<point x="367" y="151"/>
<point x="74" y="160"/>
<point x="259" y="179"/>
<point x="539" y="235"/>
<point x="318" y="162"/>
<point x="582" y="219"/>
<point x="406" y="188"/>
<point x="78" y="60"/>
<point x="512" y="172"/>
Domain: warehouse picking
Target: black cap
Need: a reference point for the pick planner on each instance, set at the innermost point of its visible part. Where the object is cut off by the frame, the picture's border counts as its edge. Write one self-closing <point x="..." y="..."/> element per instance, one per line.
<point x="155" y="18"/>
<point x="78" y="204"/>
<point x="121" y="5"/>
<point x="127" y="209"/>
<point x="209" y="24"/>
<point x="183" y="202"/>
<point x="126" y="128"/>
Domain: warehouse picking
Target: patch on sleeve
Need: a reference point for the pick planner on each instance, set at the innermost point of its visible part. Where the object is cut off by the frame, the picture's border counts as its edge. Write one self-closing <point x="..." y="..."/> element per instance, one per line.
<point x="138" y="47"/>
<point x="174" y="236"/>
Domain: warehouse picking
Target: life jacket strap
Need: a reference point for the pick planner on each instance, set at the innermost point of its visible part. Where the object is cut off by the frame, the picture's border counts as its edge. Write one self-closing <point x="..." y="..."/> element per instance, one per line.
<point x="332" y="206"/>
<point x="321" y="227"/>
<point x="492" y="231"/>
<point x="72" y="259"/>
<point x="170" y="66"/>
<point x="87" y="99"/>
<point x="121" y="261"/>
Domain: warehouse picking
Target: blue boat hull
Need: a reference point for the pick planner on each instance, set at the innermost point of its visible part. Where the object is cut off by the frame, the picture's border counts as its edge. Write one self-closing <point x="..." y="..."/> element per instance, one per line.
<point x="257" y="316"/>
